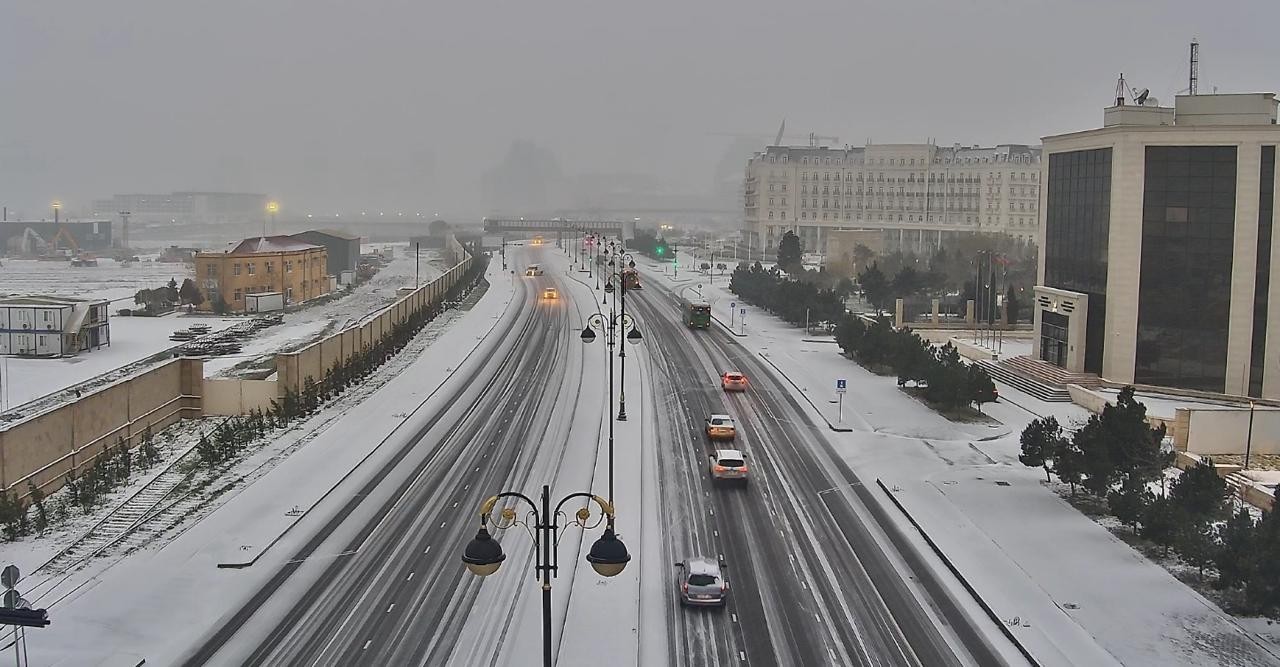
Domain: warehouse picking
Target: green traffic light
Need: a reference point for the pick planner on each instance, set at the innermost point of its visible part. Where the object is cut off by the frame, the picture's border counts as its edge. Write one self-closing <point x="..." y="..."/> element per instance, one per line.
<point x="661" y="250"/>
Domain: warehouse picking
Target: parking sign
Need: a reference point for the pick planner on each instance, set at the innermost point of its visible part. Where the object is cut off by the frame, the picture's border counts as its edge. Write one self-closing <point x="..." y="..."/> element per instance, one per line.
<point x="840" y="386"/>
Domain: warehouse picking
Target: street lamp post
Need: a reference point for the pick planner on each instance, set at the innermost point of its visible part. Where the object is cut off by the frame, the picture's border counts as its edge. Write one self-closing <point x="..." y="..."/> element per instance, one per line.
<point x="610" y="326"/>
<point x="1248" y="443"/>
<point x="608" y="556"/>
<point x="272" y="208"/>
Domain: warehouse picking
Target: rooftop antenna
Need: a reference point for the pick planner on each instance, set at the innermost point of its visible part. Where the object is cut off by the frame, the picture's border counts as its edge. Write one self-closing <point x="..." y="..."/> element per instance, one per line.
<point x="777" y="141"/>
<point x="1122" y="90"/>
<point x="1195" y="66"/>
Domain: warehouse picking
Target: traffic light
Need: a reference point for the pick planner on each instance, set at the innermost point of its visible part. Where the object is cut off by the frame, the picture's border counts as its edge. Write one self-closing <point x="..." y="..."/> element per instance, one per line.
<point x="35" y="618"/>
<point x="661" y="250"/>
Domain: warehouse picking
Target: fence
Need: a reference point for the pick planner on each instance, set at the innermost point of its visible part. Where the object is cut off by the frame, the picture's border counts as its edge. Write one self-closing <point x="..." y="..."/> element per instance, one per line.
<point x="42" y="449"/>
<point x="315" y="360"/>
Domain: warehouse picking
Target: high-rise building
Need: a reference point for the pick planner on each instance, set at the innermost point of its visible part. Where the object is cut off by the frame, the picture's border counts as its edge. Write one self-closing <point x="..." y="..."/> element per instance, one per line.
<point x="1157" y="259"/>
<point x="918" y="194"/>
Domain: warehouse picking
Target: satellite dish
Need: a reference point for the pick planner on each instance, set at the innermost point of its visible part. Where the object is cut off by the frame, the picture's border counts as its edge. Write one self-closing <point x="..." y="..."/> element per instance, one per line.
<point x="1153" y="102"/>
<point x="1142" y="95"/>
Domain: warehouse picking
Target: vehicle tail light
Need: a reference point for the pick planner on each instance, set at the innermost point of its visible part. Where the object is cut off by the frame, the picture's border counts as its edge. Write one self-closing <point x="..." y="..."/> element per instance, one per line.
<point x="724" y="586"/>
<point x="742" y="468"/>
<point x="685" y="587"/>
<point x="718" y="468"/>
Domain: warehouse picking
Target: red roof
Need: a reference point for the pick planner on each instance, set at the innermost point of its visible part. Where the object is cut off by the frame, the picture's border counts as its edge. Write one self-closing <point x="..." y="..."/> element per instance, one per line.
<point x="269" y="244"/>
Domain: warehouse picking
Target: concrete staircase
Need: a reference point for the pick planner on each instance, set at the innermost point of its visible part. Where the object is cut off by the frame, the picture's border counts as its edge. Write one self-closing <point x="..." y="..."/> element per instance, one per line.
<point x="1040" y="390"/>
<point x="1037" y="378"/>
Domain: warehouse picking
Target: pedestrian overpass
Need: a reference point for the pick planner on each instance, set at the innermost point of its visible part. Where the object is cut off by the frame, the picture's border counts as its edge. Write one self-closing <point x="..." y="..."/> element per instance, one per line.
<point x="626" y="229"/>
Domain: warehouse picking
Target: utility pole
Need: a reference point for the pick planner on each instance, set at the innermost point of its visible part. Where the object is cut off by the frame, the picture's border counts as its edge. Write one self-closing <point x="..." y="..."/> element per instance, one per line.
<point x="124" y="216"/>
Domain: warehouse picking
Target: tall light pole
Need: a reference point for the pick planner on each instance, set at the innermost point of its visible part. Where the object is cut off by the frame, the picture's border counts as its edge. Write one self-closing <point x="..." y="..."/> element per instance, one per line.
<point x="57" y="206"/>
<point x="272" y="208"/>
<point x="608" y="556"/>
<point x="611" y="326"/>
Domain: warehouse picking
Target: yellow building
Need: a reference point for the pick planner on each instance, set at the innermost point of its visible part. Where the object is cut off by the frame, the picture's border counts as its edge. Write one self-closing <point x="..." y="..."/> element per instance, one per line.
<point x="264" y="265"/>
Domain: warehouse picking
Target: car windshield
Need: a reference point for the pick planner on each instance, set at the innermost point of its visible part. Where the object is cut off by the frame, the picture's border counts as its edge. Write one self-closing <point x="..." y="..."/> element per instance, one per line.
<point x="717" y="421"/>
<point x="731" y="463"/>
<point x="702" y="579"/>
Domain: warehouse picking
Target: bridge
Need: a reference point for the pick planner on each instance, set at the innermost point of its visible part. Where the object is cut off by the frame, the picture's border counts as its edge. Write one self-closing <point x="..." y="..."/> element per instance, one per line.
<point x="623" y="228"/>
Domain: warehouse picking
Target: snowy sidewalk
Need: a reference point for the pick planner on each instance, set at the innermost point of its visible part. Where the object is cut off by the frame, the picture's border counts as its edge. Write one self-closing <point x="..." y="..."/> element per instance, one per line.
<point x="1069" y="590"/>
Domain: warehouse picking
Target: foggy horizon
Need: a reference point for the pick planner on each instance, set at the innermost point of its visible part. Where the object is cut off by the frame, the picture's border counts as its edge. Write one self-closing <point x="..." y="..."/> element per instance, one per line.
<point x="410" y="107"/>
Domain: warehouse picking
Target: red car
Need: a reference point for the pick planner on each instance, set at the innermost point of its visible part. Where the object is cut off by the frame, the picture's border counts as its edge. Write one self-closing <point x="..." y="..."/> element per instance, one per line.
<point x="733" y="381"/>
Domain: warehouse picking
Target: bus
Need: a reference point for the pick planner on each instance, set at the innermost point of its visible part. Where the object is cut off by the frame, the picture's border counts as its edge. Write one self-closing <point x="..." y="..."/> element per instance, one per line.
<point x="697" y="315"/>
<point x="631" y="278"/>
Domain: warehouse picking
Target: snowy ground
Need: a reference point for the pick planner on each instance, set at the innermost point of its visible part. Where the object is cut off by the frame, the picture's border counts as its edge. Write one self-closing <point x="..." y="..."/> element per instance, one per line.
<point x="172" y="595"/>
<point x="108" y="280"/>
<point x="134" y="339"/>
<point x="1078" y="594"/>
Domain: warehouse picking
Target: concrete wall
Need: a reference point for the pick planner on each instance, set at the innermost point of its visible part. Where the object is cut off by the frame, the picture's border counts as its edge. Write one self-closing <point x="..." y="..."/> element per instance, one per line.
<point x="1211" y="432"/>
<point x="971" y="351"/>
<point x="231" y="396"/>
<point x="315" y="360"/>
<point x="42" y="449"/>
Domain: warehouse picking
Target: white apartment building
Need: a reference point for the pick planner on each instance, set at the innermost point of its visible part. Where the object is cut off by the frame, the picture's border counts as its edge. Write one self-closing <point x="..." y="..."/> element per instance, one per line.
<point x="916" y="193"/>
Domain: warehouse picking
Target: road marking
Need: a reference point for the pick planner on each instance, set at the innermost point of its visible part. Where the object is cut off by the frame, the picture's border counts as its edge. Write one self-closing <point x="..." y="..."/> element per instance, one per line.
<point x="443" y="522"/>
<point x="428" y="550"/>
<point x="716" y="533"/>
<point x="393" y="606"/>
<point x="734" y="617"/>
<point x="366" y="645"/>
<point x="712" y="511"/>
<point x="409" y="577"/>
<point x="455" y="504"/>
<point x="477" y="469"/>
<point x="804" y="585"/>
<point x="742" y="655"/>
<point x="466" y="487"/>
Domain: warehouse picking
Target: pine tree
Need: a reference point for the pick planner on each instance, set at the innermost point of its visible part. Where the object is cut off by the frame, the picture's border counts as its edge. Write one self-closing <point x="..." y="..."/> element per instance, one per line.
<point x="1193" y="541"/>
<point x="1262" y="589"/>
<point x="1129" y="501"/>
<point x="1199" y="491"/>
<point x="206" y="450"/>
<point x="875" y="286"/>
<point x="1234" y="549"/>
<point x="37" y="500"/>
<point x="1041" y="442"/>
<point x="1160" y="522"/>
<point x="1068" y="464"/>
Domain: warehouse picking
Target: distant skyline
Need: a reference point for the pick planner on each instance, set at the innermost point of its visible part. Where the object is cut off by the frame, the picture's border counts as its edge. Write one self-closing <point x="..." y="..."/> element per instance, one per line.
<point x="330" y="105"/>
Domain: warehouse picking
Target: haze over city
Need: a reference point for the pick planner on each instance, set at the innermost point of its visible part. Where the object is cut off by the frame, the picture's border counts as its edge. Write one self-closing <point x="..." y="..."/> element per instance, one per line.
<point x="329" y="105"/>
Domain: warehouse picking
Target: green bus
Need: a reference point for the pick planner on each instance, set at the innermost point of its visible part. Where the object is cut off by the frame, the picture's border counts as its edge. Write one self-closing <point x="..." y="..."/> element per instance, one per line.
<point x="697" y="315"/>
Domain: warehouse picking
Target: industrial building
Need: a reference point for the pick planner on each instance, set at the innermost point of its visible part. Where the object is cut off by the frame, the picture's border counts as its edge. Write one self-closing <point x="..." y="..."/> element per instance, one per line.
<point x="1158" y="250"/>
<point x="52" y="326"/>
<point x="343" y="248"/>
<point x="918" y="195"/>
<point x="281" y="264"/>
<point x="34" y="237"/>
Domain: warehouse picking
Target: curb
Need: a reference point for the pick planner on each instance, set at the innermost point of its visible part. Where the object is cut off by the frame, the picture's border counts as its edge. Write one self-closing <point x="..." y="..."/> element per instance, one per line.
<point x="833" y="427"/>
<point x="960" y="577"/>
<point x="726" y="327"/>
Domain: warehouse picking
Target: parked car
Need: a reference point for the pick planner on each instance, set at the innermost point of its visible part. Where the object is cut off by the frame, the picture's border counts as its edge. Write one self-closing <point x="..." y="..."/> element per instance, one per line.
<point x="702" y="584"/>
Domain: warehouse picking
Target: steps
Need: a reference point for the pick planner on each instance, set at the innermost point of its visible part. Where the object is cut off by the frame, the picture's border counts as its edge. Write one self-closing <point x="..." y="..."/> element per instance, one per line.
<point x="1047" y="373"/>
<point x="1045" y="392"/>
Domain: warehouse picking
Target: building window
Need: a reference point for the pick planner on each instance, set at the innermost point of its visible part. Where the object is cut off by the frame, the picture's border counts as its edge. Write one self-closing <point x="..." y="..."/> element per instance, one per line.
<point x="211" y="270"/>
<point x="270" y="267"/>
<point x="1077" y="223"/>
<point x="1188" y="223"/>
<point x="288" y="293"/>
<point x="1262" y="275"/>
<point x="770" y="215"/>
<point x="235" y="269"/>
<point x="237" y="295"/>
<point x="249" y="268"/>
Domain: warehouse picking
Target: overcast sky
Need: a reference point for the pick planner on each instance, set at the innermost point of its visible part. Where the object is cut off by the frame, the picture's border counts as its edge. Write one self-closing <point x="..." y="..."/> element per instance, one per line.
<point x="404" y="104"/>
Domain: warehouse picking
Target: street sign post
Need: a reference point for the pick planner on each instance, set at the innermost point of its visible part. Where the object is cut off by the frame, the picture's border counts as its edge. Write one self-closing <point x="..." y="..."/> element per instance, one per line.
<point x="742" y="318"/>
<point x="733" y="305"/>
<point x="9" y="577"/>
<point x="841" y="387"/>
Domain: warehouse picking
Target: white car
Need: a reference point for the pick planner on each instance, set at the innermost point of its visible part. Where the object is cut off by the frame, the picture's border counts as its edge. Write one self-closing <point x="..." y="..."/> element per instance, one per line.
<point x="728" y="465"/>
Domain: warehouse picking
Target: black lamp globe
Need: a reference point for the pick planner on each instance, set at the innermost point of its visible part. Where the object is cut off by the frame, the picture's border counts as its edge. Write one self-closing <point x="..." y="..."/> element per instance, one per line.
<point x="588" y="336"/>
<point x="608" y="287"/>
<point x="608" y="555"/>
<point x="483" y="554"/>
<point x="634" y="337"/>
